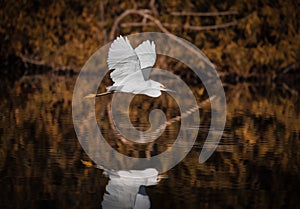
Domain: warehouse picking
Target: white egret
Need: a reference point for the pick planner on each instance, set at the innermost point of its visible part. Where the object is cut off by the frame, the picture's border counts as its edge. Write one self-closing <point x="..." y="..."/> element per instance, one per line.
<point x="131" y="68"/>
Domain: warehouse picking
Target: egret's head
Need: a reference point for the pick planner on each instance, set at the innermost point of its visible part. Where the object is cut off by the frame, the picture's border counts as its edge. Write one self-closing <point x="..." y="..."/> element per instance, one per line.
<point x="161" y="87"/>
<point x="155" y="85"/>
<point x="154" y="90"/>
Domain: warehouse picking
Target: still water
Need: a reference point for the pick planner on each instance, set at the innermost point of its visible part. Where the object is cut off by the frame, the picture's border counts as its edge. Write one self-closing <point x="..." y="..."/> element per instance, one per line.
<point x="42" y="165"/>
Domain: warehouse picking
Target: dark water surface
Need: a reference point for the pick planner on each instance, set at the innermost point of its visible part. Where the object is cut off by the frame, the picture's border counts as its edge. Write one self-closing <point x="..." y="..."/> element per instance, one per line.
<point x="256" y="165"/>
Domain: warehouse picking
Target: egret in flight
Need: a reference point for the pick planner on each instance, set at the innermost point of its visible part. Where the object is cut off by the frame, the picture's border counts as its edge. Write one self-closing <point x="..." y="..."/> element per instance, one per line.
<point x="132" y="68"/>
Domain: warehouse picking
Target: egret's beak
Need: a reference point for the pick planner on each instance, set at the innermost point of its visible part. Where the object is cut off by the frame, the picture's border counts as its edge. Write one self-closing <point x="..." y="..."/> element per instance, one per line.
<point x="165" y="89"/>
<point x="169" y="90"/>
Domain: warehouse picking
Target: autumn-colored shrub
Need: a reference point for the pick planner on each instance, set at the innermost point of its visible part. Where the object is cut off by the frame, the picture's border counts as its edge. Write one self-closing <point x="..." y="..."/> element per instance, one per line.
<point x="245" y="38"/>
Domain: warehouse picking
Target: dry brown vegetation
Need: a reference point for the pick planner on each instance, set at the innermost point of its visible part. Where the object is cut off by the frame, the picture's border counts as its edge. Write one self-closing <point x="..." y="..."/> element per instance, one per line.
<point x="244" y="38"/>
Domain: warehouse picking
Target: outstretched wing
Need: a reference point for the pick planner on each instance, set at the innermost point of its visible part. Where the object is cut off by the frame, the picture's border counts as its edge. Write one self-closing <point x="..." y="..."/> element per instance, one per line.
<point x="147" y="57"/>
<point x="123" y="59"/>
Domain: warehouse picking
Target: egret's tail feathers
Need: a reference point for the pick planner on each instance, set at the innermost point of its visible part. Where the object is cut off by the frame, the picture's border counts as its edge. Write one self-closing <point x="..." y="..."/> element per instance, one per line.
<point x="96" y="95"/>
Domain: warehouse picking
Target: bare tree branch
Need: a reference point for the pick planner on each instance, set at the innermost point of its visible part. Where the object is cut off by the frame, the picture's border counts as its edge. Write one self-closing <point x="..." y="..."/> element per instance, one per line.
<point x="183" y="43"/>
<point x="187" y="27"/>
<point x="143" y="13"/>
<point x="204" y="14"/>
<point x="210" y="27"/>
<point x="162" y="27"/>
<point x="153" y="7"/>
<point x="26" y="59"/>
<point x="101" y="7"/>
<point x="157" y="23"/>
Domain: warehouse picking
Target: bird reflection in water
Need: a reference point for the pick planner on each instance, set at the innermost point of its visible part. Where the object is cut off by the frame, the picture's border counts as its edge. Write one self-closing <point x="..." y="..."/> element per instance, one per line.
<point x="127" y="189"/>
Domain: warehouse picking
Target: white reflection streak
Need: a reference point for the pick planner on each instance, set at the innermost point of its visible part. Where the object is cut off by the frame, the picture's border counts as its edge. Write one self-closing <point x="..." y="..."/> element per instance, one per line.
<point x="162" y="126"/>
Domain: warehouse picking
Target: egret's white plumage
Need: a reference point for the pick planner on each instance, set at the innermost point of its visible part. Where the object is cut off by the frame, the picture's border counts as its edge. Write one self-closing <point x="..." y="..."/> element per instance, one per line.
<point x="131" y="68"/>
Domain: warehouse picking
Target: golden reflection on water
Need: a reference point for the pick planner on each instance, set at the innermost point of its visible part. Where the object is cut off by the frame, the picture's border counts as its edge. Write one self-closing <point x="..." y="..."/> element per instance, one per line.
<point x="256" y="165"/>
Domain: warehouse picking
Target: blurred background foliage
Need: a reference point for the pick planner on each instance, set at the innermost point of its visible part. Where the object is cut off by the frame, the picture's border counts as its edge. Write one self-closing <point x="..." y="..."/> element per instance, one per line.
<point x="242" y="38"/>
